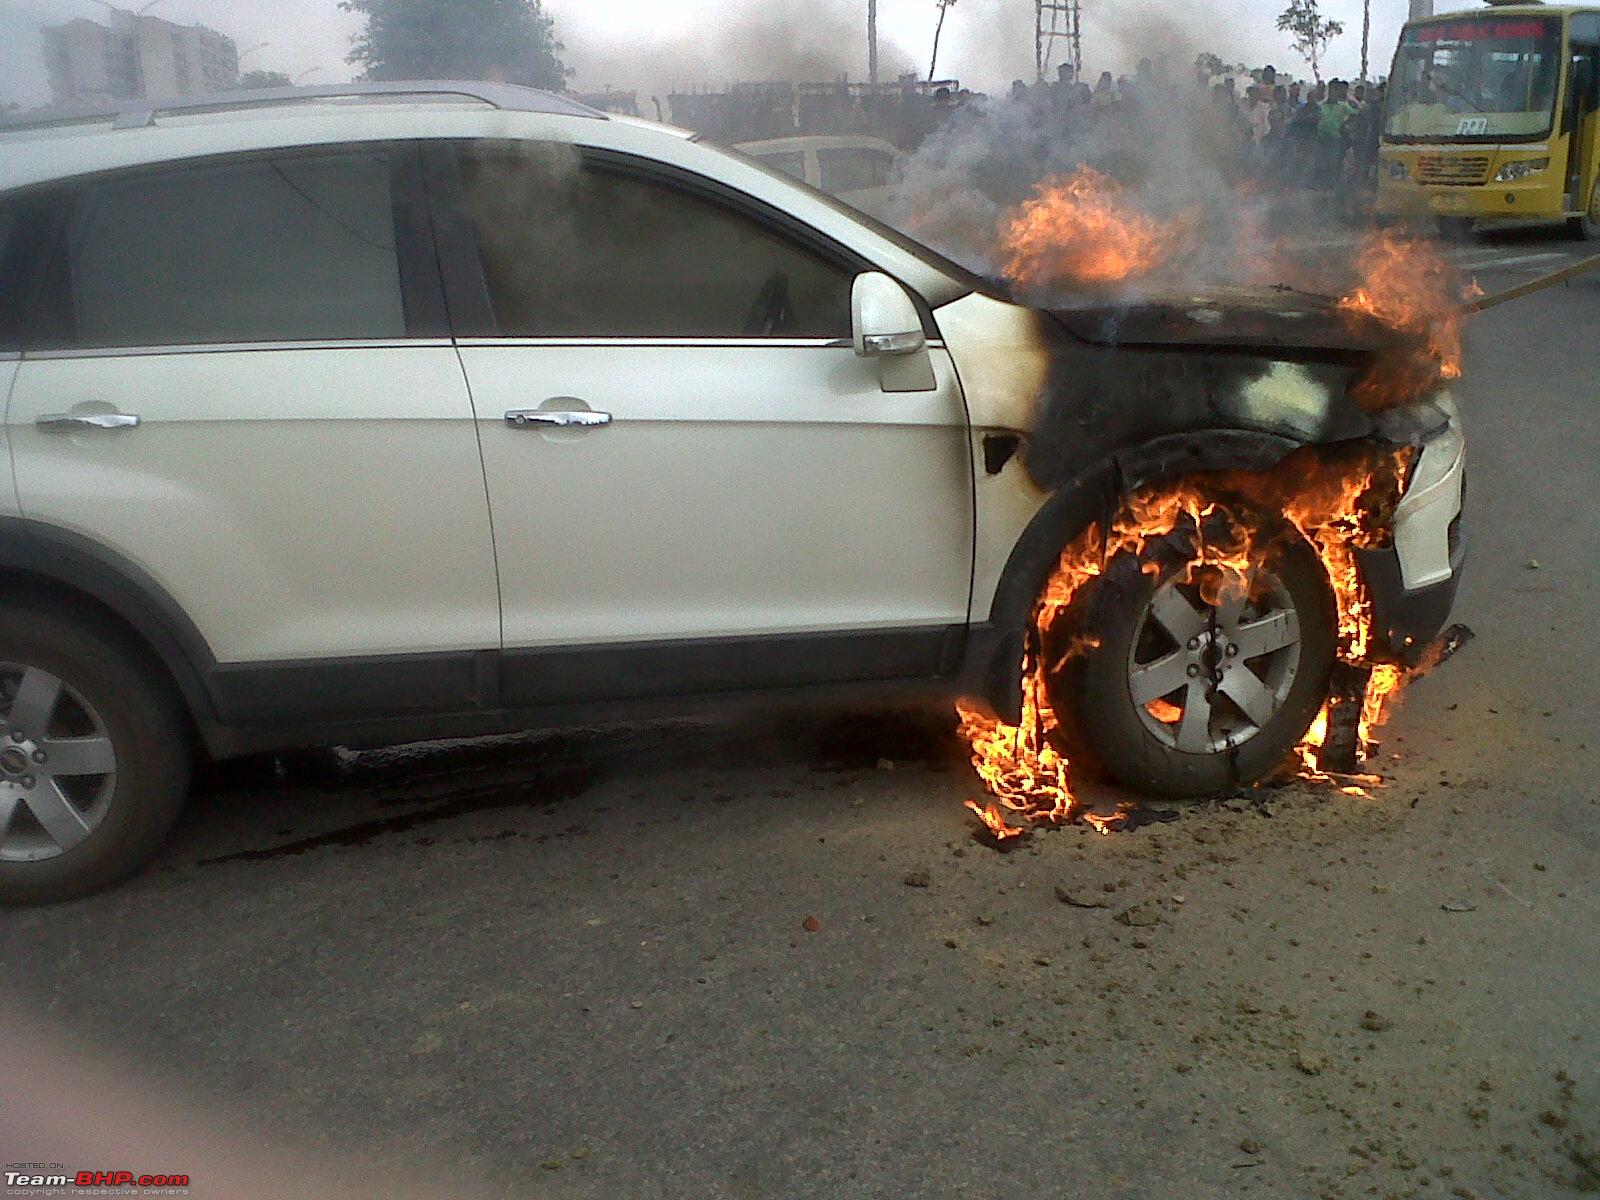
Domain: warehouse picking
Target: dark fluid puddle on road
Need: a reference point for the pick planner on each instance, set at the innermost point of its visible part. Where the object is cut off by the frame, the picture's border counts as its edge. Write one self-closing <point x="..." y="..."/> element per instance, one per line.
<point x="438" y="782"/>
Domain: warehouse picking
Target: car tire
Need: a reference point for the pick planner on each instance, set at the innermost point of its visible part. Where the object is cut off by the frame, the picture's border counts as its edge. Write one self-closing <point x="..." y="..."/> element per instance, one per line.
<point x="79" y="696"/>
<point x="1098" y="681"/>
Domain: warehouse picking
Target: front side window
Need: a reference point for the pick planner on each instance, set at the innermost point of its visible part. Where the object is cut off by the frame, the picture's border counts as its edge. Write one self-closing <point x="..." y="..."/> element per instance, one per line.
<point x="1476" y="78"/>
<point x="294" y="248"/>
<point x="571" y="249"/>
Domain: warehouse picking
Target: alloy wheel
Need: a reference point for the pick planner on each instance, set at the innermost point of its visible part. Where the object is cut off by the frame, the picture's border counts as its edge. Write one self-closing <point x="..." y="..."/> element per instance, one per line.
<point x="58" y="766"/>
<point x="1208" y="675"/>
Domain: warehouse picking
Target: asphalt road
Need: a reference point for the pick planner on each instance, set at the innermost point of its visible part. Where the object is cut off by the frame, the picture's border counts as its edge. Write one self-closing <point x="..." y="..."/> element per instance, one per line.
<point x="576" y="965"/>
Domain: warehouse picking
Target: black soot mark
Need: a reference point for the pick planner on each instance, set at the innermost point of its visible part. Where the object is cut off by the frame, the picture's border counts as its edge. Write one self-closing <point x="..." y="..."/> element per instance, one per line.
<point x="563" y="783"/>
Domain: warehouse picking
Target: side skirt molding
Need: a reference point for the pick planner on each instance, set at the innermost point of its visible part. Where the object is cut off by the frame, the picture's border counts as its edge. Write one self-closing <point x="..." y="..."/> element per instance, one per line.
<point x="377" y="701"/>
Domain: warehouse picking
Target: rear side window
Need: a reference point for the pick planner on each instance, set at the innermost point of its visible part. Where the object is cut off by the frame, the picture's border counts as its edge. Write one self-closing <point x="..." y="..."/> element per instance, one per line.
<point x="11" y="298"/>
<point x="23" y="220"/>
<point x="573" y="250"/>
<point x="853" y="170"/>
<point x="292" y="248"/>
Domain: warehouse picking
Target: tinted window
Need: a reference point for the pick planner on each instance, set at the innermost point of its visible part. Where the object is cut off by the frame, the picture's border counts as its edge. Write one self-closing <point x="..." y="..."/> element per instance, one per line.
<point x="926" y="255"/>
<point x="571" y="250"/>
<point x="289" y="249"/>
<point x="852" y="170"/>
<point x="11" y="299"/>
<point x="25" y="219"/>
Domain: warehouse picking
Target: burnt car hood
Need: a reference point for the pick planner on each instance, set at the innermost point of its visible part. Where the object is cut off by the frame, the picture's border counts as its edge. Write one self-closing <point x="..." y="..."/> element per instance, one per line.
<point x="1276" y="322"/>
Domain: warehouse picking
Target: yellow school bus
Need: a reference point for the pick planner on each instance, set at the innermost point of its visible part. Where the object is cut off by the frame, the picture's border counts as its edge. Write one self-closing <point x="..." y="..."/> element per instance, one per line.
<point x="1490" y="115"/>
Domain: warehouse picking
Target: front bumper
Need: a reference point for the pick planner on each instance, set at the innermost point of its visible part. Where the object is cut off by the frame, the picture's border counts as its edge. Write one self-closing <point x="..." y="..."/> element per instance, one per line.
<point x="1491" y="202"/>
<point x="1482" y="198"/>
<point x="1412" y="582"/>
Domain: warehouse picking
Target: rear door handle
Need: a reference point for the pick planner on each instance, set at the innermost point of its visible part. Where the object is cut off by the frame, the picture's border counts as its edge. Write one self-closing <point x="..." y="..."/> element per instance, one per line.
<point x="112" y="420"/>
<point x="561" y="417"/>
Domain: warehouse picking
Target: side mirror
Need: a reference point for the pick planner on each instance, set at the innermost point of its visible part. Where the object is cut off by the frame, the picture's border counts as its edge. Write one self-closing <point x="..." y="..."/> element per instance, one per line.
<point x="883" y="319"/>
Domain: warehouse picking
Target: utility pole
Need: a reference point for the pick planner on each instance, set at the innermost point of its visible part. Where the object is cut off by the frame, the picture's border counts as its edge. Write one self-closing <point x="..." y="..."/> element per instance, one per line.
<point x="872" y="42"/>
<point x="1366" y="37"/>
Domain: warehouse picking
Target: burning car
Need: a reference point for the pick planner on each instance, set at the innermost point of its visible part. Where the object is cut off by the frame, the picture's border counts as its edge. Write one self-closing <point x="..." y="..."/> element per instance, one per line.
<point x="532" y="414"/>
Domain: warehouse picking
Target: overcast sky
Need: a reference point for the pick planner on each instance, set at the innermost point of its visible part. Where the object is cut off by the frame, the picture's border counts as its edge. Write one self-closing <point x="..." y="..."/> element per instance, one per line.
<point x="655" y="45"/>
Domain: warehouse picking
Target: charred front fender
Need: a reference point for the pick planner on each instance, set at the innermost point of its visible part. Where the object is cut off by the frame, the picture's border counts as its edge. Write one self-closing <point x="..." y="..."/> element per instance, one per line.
<point x="1098" y="421"/>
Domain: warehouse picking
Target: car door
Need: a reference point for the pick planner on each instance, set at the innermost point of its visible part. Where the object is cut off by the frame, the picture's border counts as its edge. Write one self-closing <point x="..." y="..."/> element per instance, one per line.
<point x="731" y="498"/>
<point x="241" y="383"/>
<point x="13" y="309"/>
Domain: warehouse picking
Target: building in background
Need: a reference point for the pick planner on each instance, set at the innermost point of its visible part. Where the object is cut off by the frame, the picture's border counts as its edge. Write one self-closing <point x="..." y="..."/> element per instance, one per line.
<point x="136" y="56"/>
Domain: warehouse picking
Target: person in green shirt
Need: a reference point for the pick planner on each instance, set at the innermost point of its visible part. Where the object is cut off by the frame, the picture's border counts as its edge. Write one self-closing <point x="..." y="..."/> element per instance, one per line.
<point x="1336" y="113"/>
<point x="1336" y="110"/>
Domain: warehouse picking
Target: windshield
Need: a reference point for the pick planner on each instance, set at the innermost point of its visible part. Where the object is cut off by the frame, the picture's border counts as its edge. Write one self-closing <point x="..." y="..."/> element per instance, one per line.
<point x="1482" y="78"/>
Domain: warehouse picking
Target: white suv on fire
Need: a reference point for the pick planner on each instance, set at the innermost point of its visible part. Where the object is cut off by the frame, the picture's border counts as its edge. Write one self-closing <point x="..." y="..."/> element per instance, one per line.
<point x="370" y="414"/>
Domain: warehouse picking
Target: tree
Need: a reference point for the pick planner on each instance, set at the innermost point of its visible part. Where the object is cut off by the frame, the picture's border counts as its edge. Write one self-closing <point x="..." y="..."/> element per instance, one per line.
<point x="1210" y="66"/>
<point x="265" y="79"/>
<point x="1309" y="31"/>
<point x="458" y="39"/>
<point x="944" y="7"/>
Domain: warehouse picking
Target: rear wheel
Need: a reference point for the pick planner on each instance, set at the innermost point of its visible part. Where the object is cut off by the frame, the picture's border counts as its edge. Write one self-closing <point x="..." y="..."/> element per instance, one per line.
<point x="94" y="758"/>
<point x="1197" y="678"/>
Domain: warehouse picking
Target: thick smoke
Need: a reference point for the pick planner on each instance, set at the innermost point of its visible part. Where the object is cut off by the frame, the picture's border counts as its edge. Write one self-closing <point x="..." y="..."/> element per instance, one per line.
<point x="794" y="41"/>
<point x="1173" y="147"/>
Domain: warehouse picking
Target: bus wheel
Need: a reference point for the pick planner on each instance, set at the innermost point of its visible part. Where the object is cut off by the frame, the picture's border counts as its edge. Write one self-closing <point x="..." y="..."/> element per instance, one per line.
<point x="1587" y="227"/>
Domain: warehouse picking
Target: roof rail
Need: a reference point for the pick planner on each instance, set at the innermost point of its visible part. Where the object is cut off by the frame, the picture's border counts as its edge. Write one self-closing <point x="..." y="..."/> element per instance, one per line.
<point x="137" y="114"/>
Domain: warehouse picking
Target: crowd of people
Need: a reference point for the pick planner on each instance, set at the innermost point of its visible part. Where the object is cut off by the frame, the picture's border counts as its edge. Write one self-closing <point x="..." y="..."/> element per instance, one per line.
<point x="1286" y="136"/>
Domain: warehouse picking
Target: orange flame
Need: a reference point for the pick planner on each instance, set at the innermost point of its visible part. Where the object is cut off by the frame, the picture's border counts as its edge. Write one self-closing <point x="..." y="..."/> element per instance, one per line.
<point x="1081" y="230"/>
<point x="1407" y="284"/>
<point x="1105" y="824"/>
<point x="1338" y="506"/>
<point x="994" y="821"/>
<point x="1164" y="711"/>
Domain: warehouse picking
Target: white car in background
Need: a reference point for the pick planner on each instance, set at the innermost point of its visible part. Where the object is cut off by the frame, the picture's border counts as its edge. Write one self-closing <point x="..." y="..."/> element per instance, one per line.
<point x="368" y="414"/>
<point x="858" y="170"/>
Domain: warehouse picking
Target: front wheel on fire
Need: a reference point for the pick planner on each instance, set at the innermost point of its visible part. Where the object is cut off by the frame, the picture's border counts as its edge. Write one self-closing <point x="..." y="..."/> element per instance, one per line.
<point x="1178" y="672"/>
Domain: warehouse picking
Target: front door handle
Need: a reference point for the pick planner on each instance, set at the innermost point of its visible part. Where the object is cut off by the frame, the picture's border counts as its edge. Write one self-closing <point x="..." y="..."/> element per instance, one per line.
<point x="562" y="417"/>
<point x="111" y="420"/>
